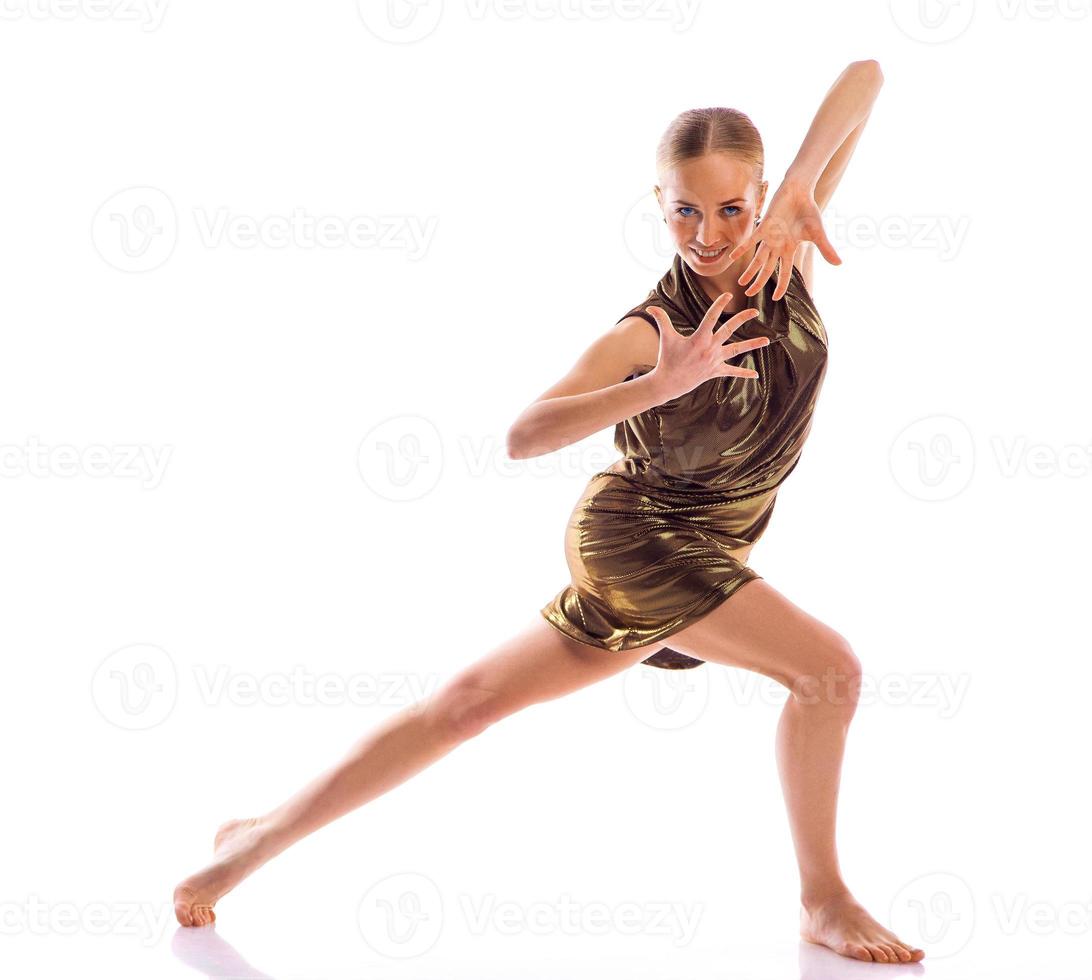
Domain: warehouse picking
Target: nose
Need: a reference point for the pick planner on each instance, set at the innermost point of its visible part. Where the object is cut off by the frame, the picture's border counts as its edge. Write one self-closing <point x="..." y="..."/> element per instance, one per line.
<point x="710" y="232"/>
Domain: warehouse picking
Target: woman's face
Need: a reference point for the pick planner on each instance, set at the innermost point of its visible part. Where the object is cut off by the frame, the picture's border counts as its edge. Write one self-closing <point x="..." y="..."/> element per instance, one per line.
<point x="710" y="204"/>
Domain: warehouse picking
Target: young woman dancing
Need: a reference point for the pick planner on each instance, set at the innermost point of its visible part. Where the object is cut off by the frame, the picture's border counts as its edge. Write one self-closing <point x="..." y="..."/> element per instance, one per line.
<point x="657" y="545"/>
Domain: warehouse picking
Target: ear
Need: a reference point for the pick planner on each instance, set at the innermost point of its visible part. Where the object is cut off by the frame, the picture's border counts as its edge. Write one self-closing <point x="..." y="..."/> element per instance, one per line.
<point x="659" y="195"/>
<point x="761" y="195"/>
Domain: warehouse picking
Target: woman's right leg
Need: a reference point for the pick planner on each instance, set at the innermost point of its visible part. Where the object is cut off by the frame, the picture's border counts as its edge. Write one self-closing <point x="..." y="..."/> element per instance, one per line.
<point x="537" y="664"/>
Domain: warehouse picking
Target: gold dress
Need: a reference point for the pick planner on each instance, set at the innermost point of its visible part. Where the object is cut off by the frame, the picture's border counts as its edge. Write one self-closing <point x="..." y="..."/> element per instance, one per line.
<point x="648" y="542"/>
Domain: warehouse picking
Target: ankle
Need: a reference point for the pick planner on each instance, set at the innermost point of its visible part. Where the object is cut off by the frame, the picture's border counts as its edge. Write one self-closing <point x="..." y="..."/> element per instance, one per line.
<point x="261" y="840"/>
<point x="813" y="897"/>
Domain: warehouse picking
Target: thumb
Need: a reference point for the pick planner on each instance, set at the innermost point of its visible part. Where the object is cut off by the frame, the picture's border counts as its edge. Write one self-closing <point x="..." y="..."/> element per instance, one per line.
<point x="657" y="313"/>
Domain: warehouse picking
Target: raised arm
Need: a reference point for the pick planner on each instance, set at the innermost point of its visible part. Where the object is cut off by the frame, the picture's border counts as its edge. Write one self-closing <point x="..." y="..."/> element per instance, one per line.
<point x="835" y="130"/>
<point x="792" y="220"/>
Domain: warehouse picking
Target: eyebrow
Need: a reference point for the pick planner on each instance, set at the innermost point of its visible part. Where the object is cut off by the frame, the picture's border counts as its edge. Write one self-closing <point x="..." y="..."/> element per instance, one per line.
<point x="679" y="200"/>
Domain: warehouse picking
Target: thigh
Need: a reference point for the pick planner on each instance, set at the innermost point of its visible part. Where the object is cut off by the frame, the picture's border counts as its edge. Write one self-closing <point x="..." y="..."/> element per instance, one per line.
<point x="540" y="663"/>
<point x="760" y="629"/>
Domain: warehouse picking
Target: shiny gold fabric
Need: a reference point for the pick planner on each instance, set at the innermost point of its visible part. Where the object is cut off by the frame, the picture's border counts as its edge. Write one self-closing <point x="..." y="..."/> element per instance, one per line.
<point x="648" y="541"/>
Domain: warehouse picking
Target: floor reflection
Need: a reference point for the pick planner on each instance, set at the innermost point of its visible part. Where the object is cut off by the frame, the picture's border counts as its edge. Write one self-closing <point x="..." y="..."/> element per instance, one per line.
<point x="207" y="952"/>
<point x="201" y="948"/>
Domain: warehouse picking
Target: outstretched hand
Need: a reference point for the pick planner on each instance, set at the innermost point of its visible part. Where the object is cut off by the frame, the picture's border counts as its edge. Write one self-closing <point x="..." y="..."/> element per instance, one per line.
<point x="687" y="360"/>
<point x="792" y="217"/>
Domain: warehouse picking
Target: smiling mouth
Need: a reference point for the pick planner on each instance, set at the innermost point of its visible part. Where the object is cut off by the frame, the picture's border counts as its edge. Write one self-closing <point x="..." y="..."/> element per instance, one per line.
<point x="709" y="253"/>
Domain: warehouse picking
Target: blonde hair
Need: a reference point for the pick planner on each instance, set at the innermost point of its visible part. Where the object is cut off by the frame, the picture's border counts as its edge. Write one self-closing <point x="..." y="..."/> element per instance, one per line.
<point x="696" y="132"/>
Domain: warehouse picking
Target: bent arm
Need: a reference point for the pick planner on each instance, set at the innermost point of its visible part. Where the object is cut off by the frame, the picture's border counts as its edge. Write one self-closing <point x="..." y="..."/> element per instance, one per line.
<point x="835" y="130"/>
<point x="593" y="395"/>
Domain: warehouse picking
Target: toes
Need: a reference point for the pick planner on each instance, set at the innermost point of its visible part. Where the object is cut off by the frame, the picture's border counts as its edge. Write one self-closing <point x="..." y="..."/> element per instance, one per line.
<point x="202" y="915"/>
<point x="903" y="951"/>
<point x="897" y="952"/>
<point x="894" y="953"/>
<point x="879" y="953"/>
<point x="182" y="914"/>
<point x="857" y="951"/>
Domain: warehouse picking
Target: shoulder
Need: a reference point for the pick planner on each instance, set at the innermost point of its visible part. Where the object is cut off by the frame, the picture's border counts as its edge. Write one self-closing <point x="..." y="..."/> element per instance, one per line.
<point x="631" y="321"/>
<point x="641" y="344"/>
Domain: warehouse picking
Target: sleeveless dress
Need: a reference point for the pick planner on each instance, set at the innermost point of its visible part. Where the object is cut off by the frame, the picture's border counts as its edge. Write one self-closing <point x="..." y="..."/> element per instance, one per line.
<point x="647" y="544"/>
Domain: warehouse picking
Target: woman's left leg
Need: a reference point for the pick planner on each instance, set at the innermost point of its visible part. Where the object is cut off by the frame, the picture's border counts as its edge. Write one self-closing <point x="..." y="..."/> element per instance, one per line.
<point x="760" y="629"/>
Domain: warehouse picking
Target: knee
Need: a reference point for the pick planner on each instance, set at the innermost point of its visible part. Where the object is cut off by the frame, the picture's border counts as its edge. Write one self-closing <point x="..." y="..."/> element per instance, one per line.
<point x="835" y="680"/>
<point x="464" y="708"/>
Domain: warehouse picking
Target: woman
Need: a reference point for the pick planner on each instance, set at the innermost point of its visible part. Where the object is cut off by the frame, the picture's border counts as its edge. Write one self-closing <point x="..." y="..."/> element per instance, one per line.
<point x="658" y="543"/>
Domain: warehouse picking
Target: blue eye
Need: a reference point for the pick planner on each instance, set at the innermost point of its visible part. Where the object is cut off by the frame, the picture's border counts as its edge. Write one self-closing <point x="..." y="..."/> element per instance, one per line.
<point x="732" y="210"/>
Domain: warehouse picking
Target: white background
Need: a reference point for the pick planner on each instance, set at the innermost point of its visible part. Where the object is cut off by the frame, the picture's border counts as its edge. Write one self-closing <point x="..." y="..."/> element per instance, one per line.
<point x="504" y="155"/>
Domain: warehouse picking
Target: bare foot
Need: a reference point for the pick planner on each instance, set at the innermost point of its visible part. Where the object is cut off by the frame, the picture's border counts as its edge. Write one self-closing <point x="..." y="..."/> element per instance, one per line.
<point x="842" y="924"/>
<point x="238" y="851"/>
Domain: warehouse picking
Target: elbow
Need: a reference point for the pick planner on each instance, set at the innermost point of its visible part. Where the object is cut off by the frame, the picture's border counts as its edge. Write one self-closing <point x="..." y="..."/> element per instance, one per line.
<point x="870" y="67"/>
<point x="515" y="444"/>
<point x="523" y="444"/>
<point x="512" y="450"/>
<point x="531" y="435"/>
